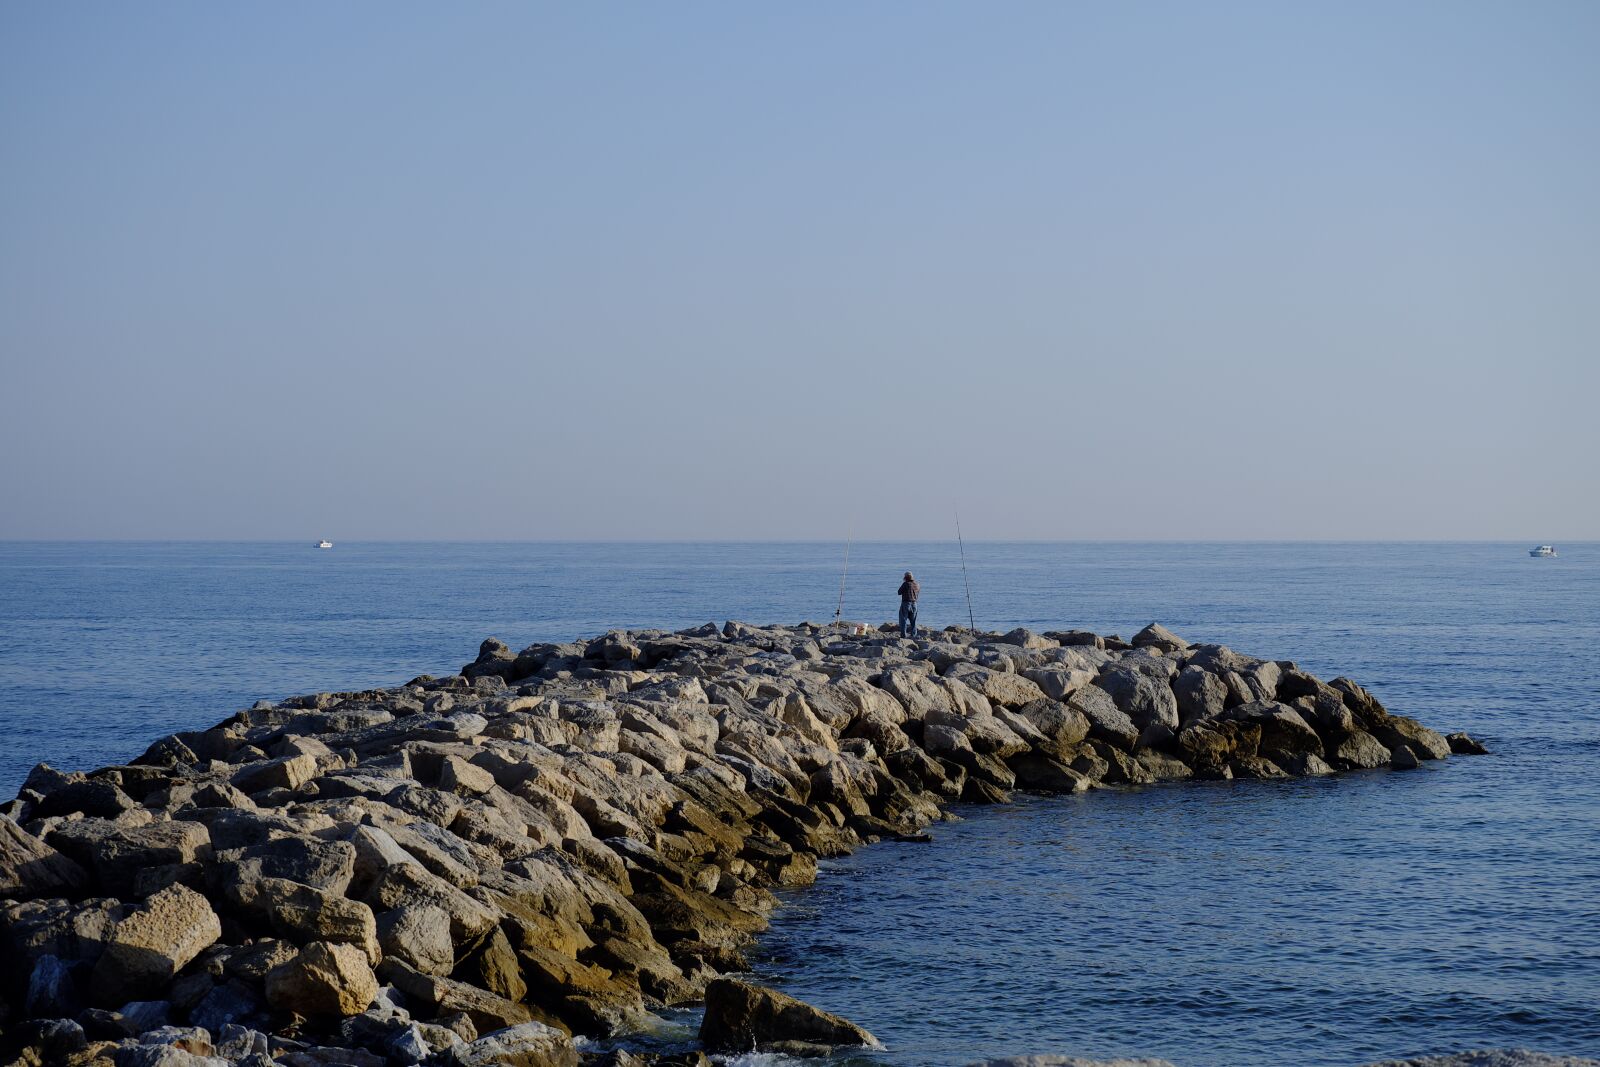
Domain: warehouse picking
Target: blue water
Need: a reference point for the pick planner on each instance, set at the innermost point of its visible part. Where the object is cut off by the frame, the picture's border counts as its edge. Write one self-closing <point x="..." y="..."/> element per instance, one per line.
<point x="1319" y="922"/>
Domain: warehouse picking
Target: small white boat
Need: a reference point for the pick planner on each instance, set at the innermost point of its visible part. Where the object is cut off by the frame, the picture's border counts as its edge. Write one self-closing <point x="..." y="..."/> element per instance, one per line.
<point x="324" y="543"/>
<point x="1543" y="551"/>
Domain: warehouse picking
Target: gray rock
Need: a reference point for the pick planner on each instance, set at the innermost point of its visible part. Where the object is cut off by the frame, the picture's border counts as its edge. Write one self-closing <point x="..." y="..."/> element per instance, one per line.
<point x="1423" y="743"/>
<point x="410" y="1045"/>
<point x="143" y="1016"/>
<point x="375" y="850"/>
<point x="70" y="931"/>
<point x="1140" y="694"/>
<point x="1041" y="773"/>
<point x="1058" y="683"/>
<point x="420" y="935"/>
<point x="232" y="1003"/>
<point x="236" y="1042"/>
<point x="1025" y="638"/>
<point x="1309" y="764"/>
<point x="51" y="991"/>
<point x="1060" y="726"/>
<point x="163" y="1056"/>
<point x="1157" y="636"/>
<point x="1201" y="695"/>
<point x="57" y="1039"/>
<point x="1107" y="722"/>
<point x="999" y="687"/>
<point x="195" y="1039"/>
<point x="1359" y="751"/>
<point x="529" y="1044"/>
<point x="326" y="865"/>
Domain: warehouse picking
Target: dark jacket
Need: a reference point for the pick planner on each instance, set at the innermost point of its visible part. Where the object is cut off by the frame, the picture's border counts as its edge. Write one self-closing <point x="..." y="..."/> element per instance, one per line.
<point x="909" y="591"/>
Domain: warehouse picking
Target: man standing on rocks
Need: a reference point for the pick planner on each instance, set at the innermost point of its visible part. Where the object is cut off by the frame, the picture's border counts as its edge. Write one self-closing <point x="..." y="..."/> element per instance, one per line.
<point x="908" y="606"/>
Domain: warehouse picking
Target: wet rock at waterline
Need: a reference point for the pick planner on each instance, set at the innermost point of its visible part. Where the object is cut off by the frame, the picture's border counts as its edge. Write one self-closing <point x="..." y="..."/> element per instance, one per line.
<point x="469" y="869"/>
<point x="741" y="1017"/>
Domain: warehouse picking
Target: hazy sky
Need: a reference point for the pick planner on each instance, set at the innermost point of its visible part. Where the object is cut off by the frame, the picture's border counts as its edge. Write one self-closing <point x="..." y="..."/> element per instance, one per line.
<point x="706" y="270"/>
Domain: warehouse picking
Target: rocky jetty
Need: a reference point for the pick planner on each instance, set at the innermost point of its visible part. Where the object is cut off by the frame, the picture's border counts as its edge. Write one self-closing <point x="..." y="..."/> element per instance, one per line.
<point x="468" y="870"/>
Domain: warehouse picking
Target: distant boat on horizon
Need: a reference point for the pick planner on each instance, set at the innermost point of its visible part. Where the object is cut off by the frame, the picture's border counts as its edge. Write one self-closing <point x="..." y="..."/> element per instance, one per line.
<point x="1543" y="551"/>
<point x="324" y="543"/>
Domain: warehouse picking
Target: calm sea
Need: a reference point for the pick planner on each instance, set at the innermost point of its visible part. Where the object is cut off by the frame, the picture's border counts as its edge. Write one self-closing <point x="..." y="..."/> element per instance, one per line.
<point x="1326" y="922"/>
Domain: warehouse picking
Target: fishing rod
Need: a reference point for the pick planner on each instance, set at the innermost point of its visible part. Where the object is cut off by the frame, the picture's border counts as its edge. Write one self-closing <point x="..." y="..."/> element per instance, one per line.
<point x="838" y="612"/>
<point x="973" y="626"/>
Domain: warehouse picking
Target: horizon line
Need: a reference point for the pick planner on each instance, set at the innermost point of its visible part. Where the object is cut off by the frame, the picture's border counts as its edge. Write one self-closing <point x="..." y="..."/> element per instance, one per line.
<point x="779" y="540"/>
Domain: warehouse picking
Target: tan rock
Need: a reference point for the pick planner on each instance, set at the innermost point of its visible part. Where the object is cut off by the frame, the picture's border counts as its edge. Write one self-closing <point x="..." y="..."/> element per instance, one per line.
<point x="149" y="946"/>
<point x="287" y="772"/>
<point x="419" y="934"/>
<point x="458" y="776"/>
<point x="30" y="868"/>
<point x="304" y="914"/>
<point x="324" y="979"/>
<point x="741" y="1017"/>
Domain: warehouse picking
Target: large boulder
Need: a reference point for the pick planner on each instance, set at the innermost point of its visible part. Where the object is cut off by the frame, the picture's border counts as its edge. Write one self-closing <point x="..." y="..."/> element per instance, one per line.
<point x="1145" y="696"/>
<point x="325" y="865"/>
<point x="1211" y="744"/>
<point x="30" y="868"/>
<point x="1200" y="694"/>
<point x="149" y="946"/>
<point x="741" y="1017"/>
<point x="287" y="772"/>
<point x="1159" y="637"/>
<point x="117" y="853"/>
<point x="1060" y="681"/>
<point x="1060" y="725"/>
<point x="1283" y="731"/>
<point x="407" y="884"/>
<point x="999" y="687"/>
<point x="1358" y="750"/>
<point x="1036" y="771"/>
<point x="524" y="1045"/>
<point x="91" y="796"/>
<point x="303" y="914"/>
<point x="1023" y="637"/>
<point x="51" y="993"/>
<point x="54" y="927"/>
<point x="1107" y="722"/>
<point x="419" y="934"/>
<point x="1398" y="731"/>
<point x="323" y="979"/>
<point x="917" y="694"/>
<point x="444" y="996"/>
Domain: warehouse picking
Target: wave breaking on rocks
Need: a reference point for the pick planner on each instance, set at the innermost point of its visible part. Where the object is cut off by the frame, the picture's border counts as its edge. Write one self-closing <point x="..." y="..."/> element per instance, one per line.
<point x="468" y="870"/>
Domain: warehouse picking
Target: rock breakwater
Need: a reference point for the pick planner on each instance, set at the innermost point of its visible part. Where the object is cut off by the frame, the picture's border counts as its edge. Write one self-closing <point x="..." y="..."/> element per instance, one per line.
<point x="469" y="869"/>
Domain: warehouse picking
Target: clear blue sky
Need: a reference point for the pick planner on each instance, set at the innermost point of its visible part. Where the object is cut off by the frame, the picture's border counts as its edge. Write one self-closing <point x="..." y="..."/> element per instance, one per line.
<point x="729" y="270"/>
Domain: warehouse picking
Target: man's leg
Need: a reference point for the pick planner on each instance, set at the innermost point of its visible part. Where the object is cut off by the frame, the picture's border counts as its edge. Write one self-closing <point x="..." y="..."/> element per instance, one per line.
<point x="912" y="613"/>
<point x="904" y="611"/>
